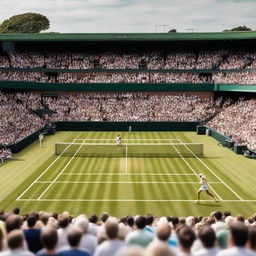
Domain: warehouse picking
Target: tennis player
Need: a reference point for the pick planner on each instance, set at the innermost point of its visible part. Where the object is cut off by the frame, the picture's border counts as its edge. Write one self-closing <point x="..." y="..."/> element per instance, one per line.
<point x="204" y="187"/>
<point x="41" y="138"/>
<point x="118" y="140"/>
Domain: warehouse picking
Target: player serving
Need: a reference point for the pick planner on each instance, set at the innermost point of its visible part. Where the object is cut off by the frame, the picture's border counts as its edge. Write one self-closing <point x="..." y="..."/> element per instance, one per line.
<point x="118" y="140"/>
<point x="204" y="187"/>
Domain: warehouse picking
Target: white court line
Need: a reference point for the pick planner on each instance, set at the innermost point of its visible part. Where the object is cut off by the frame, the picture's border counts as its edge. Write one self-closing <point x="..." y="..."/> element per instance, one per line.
<point x="126" y="159"/>
<point x="129" y="139"/>
<point x="128" y="200"/>
<point x="122" y="182"/>
<point x="150" y="174"/>
<point x="194" y="171"/>
<point x="42" y="174"/>
<point x="59" y="173"/>
<point x="213" y="172"/>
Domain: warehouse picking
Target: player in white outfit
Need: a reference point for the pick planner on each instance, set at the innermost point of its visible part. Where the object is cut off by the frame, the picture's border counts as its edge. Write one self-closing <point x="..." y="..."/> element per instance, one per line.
<point x="41" y="138"/>
<point x="204" y="187"/>
<point x="118" y="140"/>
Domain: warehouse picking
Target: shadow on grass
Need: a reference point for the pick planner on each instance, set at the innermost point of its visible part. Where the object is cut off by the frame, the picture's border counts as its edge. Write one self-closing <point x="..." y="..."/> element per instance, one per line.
<point x="212" y="205"/>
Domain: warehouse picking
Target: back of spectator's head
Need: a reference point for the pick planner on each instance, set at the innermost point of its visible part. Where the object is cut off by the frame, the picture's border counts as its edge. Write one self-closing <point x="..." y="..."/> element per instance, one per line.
<point x="252" y="237"/>
<point x="104" y="217"/>
<point x="130" y="221"/>
<point x="190" y="221"/>
<point x="44" y="217"/>
<point x="74" y="237"/>
<point x="63" y="221"/>
<point x="82" y="223"/>
<point x="217" y="215"/>
<point x="159" y="249"/>
<point x="49" y="238"/>
<point x="111" y="227"/>
<point x="175" y="221"/>
<point x="186" y="236"/>
<point x="31" y="220"/>
<point x="16" y="211"/>
<point x="149" y="219"/>
<point x="15" y="239"/>
<point x="238" y="234"/>
<point x="226" y="214"/>
<point x="93" y="219"/>
<point x="240" y="218"/>
<point x="182" y="220"/>
<point x="229" y="220"/>
<point x="13" y="222"/>
<point x="140" y="222"/>
<point x="163" y="231"/>
<point x="207" y="236"/>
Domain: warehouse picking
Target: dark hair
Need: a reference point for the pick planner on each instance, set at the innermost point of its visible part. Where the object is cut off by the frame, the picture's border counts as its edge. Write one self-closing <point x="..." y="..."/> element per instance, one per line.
<point x="63" y="221"/>
<point x="111" y="229"/>
<point x="175" y="221"/>
<point x="226" y="213"/>
<point x="93" y="219"/>
<point x="55" y="215"/>
<point x="74" y="237"/>
<point x="149" y="219"/>
<point x="240" y="218"/>
<point x="207" y="236"/>
<point x="130" y="221"/>
<point x="140" y="222"/>
<point x="15" y="239"/>
<point x="13" y="222"/>
<point x="16" y="211"/>
<point x="239" y="233"/>
<point x="49" y="238"/>
<point x="104" y="216"/>
<point x="252" y="237"/>
<point x="186" y="236"/>
<point x="218" y="215"/>
<point x="31" y="220"/>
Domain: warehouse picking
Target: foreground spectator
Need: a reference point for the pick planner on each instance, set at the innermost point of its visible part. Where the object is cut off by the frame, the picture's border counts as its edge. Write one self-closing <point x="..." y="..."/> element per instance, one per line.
<point x="139" y="237"/>
<point x="15" y="242"/>
<point x="112" y="245"/>
<point x="186" y="237"/>
<point x="74" y="238"/>
<point x="207" y="237"/>
<point x="238" y="238"/>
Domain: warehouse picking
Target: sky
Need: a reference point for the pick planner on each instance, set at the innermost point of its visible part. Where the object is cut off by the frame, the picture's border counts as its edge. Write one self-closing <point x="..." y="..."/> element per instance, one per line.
<point x="104" y="16"/>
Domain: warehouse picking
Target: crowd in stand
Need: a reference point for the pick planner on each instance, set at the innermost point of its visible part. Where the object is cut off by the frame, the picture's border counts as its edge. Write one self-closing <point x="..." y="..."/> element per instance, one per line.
<point x="127" y="77"/>
<point x="204" y="59"/>
<point x="18" y="118"/>
<point x="41" y="233"/>
<point x="238" y="120"/>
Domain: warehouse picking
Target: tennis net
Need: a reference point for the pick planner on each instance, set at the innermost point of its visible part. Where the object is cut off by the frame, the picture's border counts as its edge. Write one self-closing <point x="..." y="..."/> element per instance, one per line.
<point x="129" y="149"/>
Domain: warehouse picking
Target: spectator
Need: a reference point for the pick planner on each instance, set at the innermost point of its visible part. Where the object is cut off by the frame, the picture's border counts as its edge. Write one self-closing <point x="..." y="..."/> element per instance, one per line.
<point x="186" y="237"/>
<point x="15" y="242"/>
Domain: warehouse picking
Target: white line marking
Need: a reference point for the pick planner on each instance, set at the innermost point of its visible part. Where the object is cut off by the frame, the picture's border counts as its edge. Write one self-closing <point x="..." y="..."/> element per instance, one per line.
<point x="127" y="200"/>
<point x="42" y="174"/>
<point x="126" y="159"/>
<point x="123" y="182"/>
<point x="213" y="172"/>
<point x="151" y="174"/>
<point x="194" y="170"/>
<point x="59" y="173"/>
<point x="128" y="139"/>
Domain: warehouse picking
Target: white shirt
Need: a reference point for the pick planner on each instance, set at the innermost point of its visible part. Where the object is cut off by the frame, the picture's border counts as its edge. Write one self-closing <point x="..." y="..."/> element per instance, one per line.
<point x="17" y="252"/>
<point x="207" y="252"/>
<point x="109" y="248"/>
<point x="236" y="251"/>
<point x="89" y="243"/>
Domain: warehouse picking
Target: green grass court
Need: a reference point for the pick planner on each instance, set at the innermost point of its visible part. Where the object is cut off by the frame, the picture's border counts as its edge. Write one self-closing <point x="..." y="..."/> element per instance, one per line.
<point x="37" y="179"/>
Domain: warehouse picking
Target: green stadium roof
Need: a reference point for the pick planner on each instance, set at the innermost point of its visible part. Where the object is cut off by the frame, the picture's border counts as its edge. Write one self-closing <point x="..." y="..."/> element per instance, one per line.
<point x="129" y="36"/>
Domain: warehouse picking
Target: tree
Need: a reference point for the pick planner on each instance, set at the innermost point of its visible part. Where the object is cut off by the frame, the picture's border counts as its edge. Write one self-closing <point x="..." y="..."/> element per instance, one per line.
<point x="25" y="23"/>
<point x="172" y="31"/>
<point x="240" y="28"/>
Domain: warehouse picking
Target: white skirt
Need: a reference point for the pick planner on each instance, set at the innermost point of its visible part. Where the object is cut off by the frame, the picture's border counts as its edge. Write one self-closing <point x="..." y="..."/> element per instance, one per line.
<point x="204" y="187"/>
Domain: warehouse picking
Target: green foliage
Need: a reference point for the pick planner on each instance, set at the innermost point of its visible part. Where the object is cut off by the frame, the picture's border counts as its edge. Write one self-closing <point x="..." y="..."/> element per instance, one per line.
<point x="172" y="31"/>
<point x="25" y="23"/>
<point x="240" y="28"/>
